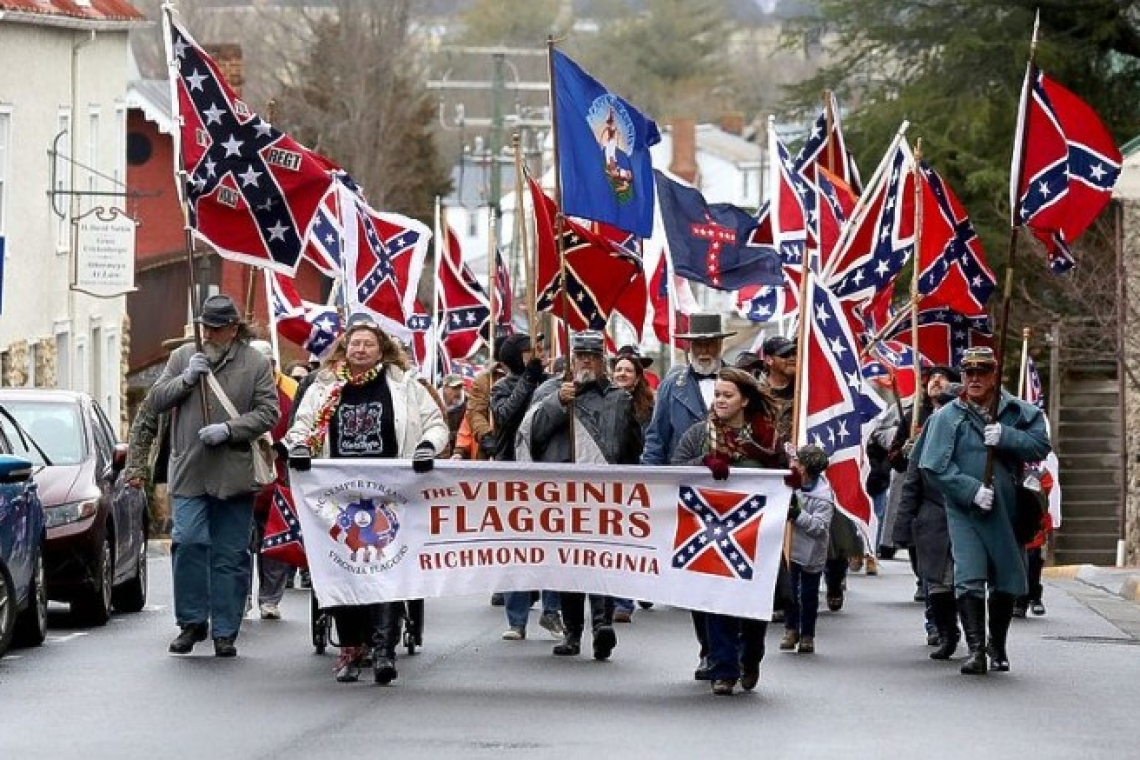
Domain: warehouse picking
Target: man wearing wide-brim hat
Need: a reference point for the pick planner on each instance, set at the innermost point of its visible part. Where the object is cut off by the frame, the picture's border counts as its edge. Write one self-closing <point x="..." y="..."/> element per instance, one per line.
<point x="980" y="516"/>
<point x="211" y="478"/>
<point x="685" y="395"/>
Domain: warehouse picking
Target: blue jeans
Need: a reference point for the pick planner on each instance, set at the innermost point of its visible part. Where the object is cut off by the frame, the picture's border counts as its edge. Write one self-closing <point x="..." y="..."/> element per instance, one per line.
<point x="517" y="604"/>
<point x="734" y="643"/>
<point x="879" y="503"/>
<point x="801" y="615"/>
<point x="211" y="561"/>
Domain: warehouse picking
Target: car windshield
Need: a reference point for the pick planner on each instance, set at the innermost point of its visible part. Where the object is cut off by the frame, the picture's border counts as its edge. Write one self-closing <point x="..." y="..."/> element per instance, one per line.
<point x="55" y="426"/>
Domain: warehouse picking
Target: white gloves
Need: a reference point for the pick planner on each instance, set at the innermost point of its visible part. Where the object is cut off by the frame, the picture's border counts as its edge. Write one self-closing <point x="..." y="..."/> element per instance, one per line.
<point x="992" y="434"/>
<point x="984" y="498"/>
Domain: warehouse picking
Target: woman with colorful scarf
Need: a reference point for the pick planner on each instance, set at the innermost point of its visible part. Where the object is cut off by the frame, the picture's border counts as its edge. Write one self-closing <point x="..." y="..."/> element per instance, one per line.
<point x="366" y="403"/>
<point x="740" y="432"/>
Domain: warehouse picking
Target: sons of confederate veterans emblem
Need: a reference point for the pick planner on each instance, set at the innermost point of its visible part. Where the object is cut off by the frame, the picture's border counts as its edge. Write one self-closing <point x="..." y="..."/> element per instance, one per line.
<point x="717" y="531"/>
<point x="366" y="528"/>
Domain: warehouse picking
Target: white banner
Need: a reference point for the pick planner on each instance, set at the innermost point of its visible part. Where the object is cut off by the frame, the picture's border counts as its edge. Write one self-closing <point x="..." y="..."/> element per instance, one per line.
<point x="374" y="530"/>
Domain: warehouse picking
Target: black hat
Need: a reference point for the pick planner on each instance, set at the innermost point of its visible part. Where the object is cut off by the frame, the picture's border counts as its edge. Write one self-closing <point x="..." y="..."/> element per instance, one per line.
<point x="588" y="342"/>
<point x="778" y="345"/>
<point x="704" y="327"/>
<point x="510" y="351"/>
<point x="218" y="311"/>
<point x="747" y="361"/>
<point x="634" y="354"/>
<point x="949" y="373"/>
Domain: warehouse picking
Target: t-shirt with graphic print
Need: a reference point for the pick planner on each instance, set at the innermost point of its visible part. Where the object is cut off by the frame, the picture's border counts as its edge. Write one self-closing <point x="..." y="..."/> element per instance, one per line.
<point x="363" y="425"/>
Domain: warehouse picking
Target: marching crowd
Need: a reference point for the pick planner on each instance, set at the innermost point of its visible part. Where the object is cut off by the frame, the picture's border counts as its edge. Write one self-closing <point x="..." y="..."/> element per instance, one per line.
<point x="948" y="486"/>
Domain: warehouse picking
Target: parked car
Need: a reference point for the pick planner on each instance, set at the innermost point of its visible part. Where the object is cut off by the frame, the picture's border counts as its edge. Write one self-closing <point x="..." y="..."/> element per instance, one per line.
<point x="23" y="598"/>
<point x="95" y="554"/>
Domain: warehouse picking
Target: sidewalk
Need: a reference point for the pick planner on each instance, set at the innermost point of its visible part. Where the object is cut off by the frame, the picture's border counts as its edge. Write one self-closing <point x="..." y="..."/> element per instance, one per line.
<point x="1120" y="581"/>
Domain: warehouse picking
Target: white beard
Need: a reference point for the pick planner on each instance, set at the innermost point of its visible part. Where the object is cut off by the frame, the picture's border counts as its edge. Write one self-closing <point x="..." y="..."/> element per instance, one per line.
<point x="215" y="352"/>
<point x="704" y="366"/>
<point x="585" y="376"/>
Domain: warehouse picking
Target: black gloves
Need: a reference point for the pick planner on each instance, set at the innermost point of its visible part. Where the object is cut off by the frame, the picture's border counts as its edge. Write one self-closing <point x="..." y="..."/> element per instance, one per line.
<point x="533" y="371"/>
<point x="300" y="458"/>
<point x="280" y="449"/>
<point x="793" y="510"/>
<point x="487" y="445"/>
<point x="424" y="458"/>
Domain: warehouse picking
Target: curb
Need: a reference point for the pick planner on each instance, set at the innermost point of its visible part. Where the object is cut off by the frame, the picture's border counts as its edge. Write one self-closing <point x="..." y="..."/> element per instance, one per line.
<point x="1119" y="581"/>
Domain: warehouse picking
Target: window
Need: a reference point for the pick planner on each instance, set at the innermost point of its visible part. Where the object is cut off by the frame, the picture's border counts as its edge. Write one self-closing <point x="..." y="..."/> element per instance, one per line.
<point x="62" y="355"/>
<point x="5" y="142"/>
<point x="93" y="152"/>
<point x="62" y="203"/>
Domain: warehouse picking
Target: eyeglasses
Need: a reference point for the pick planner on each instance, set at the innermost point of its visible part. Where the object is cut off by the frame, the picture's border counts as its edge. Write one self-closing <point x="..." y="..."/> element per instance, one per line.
<point x="978" y="371"/>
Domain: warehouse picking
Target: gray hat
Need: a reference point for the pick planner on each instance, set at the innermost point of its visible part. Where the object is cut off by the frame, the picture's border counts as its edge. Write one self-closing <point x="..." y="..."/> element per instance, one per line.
<point x="218" y="311"/>
<point x="588" y="342"/>
<point x="704" y="327"/>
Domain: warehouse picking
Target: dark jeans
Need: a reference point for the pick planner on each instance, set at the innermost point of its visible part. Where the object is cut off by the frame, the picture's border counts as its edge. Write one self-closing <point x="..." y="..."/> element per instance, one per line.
<point x="834" y="574"/>
<point x="1034" y="562"/>
<point x="734" y="643"/>
<point x="373" y="625"/>
<point x="574" y="614"/>
<point x="801" y="615"/>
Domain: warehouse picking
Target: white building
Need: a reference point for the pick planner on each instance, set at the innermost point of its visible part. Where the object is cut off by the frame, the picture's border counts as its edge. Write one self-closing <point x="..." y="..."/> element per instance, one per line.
<point x="63" y="84"/>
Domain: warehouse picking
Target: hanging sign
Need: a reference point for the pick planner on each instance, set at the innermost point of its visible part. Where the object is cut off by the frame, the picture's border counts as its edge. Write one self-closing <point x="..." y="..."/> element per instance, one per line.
<point x="105" y="253"/>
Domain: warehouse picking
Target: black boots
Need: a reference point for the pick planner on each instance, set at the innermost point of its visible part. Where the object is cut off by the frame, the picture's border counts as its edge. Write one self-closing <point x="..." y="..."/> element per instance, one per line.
<point x="945" y="615"/>
<point x="190" y="635"/>
<point x="972" y="610"/>
<point x="385" y="638"/>
<point x="571" y="645"/>
<point x="602" y="620"/>
<point x="1001" y="612"/>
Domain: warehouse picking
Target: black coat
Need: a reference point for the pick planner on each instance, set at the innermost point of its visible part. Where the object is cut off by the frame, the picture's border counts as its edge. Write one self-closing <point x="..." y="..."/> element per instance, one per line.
<point x="921" y="522"/>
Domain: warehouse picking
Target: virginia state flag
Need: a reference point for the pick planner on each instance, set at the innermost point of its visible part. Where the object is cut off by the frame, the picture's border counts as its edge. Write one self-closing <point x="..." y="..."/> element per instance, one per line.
<point x="603" y="152"/>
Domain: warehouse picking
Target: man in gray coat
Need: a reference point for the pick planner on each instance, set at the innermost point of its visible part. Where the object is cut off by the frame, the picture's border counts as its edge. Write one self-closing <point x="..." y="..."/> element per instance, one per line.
<point x="211" y="476"/>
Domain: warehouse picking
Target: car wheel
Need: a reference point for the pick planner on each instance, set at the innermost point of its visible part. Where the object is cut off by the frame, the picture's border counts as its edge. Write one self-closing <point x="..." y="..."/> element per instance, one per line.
<point x="130" y="596"/>
<point x="94" y="606"/>
<point x="31" y="625"/>
<point x="7" y="610"/>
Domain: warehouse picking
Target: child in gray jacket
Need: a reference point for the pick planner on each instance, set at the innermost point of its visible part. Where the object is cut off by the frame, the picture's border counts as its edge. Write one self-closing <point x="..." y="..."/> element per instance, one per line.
<point x="809" y="518"/>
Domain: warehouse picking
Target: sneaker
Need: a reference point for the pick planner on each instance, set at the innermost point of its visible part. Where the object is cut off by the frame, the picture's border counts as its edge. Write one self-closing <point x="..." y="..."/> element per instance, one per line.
<point x="872" y="565"/>
<point x="703" y="672"/>
<point x="190" y="635"/>
<point x="807" y="645"/>
<point x="623" y="616"/>
<point x="724" y="687"/>
<point x="270" y="612"/>
<point x="224" y="647"/>
<point x="514" y="633"/>
<point x="552" y="622"/>
<point x="791" y="638"/>
<point x="1036" y="607"/>
<point x="348" y="664"/>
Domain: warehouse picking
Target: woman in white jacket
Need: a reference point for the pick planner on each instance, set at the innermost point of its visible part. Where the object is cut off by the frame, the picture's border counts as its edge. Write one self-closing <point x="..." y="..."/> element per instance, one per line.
<point x="367" y="403"/>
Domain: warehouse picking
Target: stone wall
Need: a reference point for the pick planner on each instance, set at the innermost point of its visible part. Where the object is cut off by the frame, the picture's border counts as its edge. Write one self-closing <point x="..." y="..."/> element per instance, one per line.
<point x="1132" y="375"/>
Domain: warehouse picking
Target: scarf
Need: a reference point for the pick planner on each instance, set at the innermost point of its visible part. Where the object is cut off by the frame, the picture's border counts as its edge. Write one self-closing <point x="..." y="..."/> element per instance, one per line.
<point x="341" y="378"/>
<point x="756" y="440"/>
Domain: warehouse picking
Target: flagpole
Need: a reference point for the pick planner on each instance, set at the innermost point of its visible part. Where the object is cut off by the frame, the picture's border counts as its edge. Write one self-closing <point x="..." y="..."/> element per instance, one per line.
<point x="273" y="340"/>
<point x="805" y="275"/>
<point x="891" y="324"/>
<point x="433" y="329"/>
<point x="183" y="201"/>
<point x="914" y="273"/>
<point x="829" y="121"/>
<point x="558" y="222"/>
<point x="1014" y="229"/>
<point x="492" y="246"/>
<point x="523" y="239"/>
<point x="671" y="304"/>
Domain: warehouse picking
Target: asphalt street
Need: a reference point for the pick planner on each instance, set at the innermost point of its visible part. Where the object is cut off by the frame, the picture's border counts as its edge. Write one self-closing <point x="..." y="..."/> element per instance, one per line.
<point x="868" y="692"/>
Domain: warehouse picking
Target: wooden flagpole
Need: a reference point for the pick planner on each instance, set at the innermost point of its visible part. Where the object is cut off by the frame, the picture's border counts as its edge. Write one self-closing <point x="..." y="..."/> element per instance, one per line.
<point x="558" y="222"/>
<point x="435" y="334"/>
<point x="1014" y="229"/>
<point x="521" y="194"/>
<point x="1021" y="379"/>
<point x="492" y="247"/>
<point x="915" y="265"/>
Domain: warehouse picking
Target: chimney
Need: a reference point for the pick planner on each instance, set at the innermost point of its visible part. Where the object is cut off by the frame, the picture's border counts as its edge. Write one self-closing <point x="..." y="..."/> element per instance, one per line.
<point x="229" y="59"/>
<point x="732" y="122"/>
<point x="684" y="163"/>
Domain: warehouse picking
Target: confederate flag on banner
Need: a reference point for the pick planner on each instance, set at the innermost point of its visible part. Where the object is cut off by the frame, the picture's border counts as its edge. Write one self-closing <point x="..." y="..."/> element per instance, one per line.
<point x="282" y="540"/>
<point x="251" y="191"/>
<point x="1065" y="165"/>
